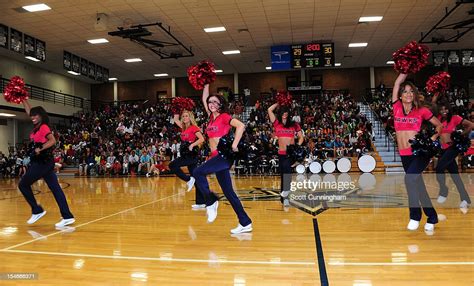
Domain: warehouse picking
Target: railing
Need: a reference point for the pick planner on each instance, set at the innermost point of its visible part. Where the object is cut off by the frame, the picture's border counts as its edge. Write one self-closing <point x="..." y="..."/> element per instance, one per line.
<point x="43" y="94"/>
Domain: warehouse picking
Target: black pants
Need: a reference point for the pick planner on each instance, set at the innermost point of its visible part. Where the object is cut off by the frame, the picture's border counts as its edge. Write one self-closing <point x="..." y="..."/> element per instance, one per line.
<point x="220" y="166"/>
<point x="447" y="161"/>
<point x="285" y="169"/>
<point x="45" y="170"/>
<point x="418" y="197"/>
<point x="191" y="163"/>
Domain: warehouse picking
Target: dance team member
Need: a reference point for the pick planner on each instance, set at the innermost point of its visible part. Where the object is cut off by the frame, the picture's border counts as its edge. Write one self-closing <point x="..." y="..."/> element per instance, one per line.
<point x="219" y="125"/>
<point x="408" y="116"/>
<point x="285" y="130"/>
<point x="42" y="166"/>
<point x="447" y="161"/>
<point x="190" y="133"/>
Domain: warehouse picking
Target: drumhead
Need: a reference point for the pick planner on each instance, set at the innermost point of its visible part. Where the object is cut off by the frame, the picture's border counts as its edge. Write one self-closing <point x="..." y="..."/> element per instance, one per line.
<point x="344" y="165"/>
<point x="300" y="169"/>
<point x="315" y="167"/>
<point x="329" y="167"/>
<point x="366" y="163"/>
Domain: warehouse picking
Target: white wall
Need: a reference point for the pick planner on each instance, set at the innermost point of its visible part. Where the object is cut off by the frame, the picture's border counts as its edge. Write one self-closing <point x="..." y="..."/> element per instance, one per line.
<point x="43" y="78"/>
<point x="6" y="136"/>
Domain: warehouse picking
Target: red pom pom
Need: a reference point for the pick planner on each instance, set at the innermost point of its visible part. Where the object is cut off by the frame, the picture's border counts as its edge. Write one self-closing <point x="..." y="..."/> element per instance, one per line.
<point x="438" y="83"/>
<point x="411" y="58"/>
<point x="201" y="74"/>
<point x="181" y="103"/>
<point x="15" y="91"/>
<point x="284" y="98"/>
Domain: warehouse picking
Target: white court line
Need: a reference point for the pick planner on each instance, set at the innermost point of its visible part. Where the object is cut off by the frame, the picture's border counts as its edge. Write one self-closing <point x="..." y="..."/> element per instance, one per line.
<point x="428" y="263"/>
<point x="89" y="222"/>
<point x="164" y="259"/>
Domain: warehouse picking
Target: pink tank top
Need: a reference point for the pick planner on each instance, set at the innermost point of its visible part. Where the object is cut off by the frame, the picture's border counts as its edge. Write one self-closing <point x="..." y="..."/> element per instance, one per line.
<point x="219" y="126"/>
<point x="411" y="121"/>
<point x="282" y="131"/>
<point x="190" y="133"/>
<point x="449" y="127"/>
<point x="40" y="135"/>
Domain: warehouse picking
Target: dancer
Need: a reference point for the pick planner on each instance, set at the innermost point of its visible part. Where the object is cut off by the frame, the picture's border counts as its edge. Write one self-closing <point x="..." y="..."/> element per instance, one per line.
<point x="447" y="161"/>
<point x="220" y="124"/>
<point x="285" y="130"/>
<point x="191" y="133"/>
<point x="42" y="166"/>
<point x="408" y="116"/>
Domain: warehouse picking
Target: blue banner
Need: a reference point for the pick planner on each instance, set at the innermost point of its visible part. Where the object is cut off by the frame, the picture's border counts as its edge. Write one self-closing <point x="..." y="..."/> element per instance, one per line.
<point x="281" y="57"/>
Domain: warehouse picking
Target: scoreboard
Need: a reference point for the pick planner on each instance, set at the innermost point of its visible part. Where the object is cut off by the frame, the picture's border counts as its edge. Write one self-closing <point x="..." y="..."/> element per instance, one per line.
<point x="312" y="55"/>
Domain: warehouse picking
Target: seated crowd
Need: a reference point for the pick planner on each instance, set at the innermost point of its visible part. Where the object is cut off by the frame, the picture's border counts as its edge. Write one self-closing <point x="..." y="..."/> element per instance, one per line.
<point x="130" y="138"/>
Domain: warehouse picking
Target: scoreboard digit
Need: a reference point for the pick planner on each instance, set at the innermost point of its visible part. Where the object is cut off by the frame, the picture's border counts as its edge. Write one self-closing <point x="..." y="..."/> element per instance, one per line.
<point x="297" y="51"/>
<point x="312" y="55"/>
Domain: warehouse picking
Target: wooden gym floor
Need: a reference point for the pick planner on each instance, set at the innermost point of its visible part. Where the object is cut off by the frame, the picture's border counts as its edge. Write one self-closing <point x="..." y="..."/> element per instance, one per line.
<point x="142" y="231"/>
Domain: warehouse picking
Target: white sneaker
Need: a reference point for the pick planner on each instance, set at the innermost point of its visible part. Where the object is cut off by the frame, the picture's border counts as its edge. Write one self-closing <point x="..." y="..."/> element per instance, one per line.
<point x="212" y="212"/>
<point x="190" y="184"/>
<point x="242" y="229"/>
<point x="148" y="175"/>
<point x="442" y="199"/>
<point x="464" y="204"/>
<point x="65" y="222"/>
<point x="198" y="206"/>
<point x="429" y="227"/>
<point x="285" y="194"/>
<point x="413" y="225"/>
<point x="35" y="217"/>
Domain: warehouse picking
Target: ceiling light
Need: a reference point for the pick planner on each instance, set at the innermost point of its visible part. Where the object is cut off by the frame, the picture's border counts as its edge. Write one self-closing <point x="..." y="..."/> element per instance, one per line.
<point x="218" y="71"/>
<point x="268" y="68"/>
<point x="232" y="52"/>
<point x="32" y="59"/>
<point x="370" y="19"/>
<point x="7" y="115"/>
<point x="357" y="45"/>
<point x="98" y="41"/>
<point x="134" y="60"/>
<point x="390" y="62"/>
<point x="337" y="64"/>
<point x="73" y="73"/>
<point x="214" y="29"/>
<point x="112" y="78"/>
<point x="36" y="7"/>
<point x="160" y="74"/>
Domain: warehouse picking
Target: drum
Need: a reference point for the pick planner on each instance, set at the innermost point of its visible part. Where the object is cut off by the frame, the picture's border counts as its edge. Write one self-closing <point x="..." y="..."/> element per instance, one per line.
<point x="344" y="165"/>
<point x="366" y="163"/>
<point x="300" y="169"/>
<point x="329" y="167"/>
<point x="315" y="167"/>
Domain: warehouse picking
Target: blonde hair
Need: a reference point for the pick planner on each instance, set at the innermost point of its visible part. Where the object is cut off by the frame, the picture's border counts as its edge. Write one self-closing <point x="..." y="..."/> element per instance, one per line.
<point x="192" y="120"/>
